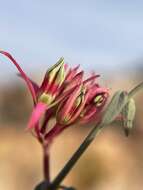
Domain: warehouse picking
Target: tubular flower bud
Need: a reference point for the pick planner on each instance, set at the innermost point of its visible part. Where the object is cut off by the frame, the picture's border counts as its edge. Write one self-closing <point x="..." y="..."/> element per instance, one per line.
<point x="70" y="108"/>
<point x="93" y="108"/>
<point x="52" y="72"/>
<point x="52" y="82"/>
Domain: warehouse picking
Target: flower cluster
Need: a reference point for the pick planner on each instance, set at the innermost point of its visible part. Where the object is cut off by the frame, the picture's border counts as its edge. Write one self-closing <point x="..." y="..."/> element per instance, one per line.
<point x="65" y="95"/>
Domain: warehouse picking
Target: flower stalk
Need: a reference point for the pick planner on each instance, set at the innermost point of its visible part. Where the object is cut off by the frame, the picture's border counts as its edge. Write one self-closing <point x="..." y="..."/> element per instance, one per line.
<point x="46" y="163"/>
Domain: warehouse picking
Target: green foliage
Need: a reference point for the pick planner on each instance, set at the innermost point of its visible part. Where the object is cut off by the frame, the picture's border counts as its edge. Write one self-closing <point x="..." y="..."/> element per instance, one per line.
<point x="128" y="114"/>
<point x="118" y="101"/>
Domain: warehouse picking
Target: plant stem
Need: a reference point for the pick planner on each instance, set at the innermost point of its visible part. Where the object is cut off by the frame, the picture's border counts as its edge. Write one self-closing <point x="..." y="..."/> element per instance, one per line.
<point x="46" y="164"/>
<point x="56" y="182"/>
<point x="136" y="89"/>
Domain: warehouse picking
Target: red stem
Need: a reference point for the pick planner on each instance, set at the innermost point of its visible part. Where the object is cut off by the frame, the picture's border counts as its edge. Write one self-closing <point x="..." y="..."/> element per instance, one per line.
<point x="46" y="164"/>
<point x="56" y="130"/>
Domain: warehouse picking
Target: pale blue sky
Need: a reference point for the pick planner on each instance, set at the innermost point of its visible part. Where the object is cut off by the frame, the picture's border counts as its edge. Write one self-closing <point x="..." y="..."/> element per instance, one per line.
<point x="94" y="33"/>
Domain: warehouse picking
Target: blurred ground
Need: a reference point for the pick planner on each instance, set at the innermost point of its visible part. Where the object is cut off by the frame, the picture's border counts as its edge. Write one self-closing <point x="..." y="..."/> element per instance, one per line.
<point x="112" y="162"/>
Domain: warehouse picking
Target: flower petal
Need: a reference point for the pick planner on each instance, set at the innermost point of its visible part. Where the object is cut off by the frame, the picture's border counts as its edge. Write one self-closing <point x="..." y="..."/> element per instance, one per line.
<point x="90" y="80"/>
<point x="24" y="76"/>
<point x="57" y="71"/>
<point x="66" y="105"/>
<point x="38" y="111"/>
<point x="71" y="73"/>
<point x="80" y="108"/>
<point x="90" y="112"/>
<point x="48" y="116"/>
<point x="77" y="80"/>
<point x="94" y="90"/>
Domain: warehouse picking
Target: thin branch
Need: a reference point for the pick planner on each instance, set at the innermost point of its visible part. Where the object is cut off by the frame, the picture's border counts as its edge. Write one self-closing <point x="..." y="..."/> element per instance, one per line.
<point x="136" y="89"/>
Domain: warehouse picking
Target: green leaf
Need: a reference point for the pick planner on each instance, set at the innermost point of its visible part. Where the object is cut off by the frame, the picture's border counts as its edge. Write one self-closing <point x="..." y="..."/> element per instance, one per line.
<point x="128" y="114"/>
<point x="118" y="101"/>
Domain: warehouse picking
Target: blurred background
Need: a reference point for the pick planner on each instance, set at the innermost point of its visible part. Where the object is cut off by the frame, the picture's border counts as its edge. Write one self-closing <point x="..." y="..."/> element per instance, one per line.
<point x="101" y="36"/>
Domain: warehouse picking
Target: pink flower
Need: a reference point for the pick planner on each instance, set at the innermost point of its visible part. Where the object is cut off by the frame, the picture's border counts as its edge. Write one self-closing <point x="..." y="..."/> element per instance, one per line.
<point x="83" y="104"/>
<point x="63" y="94"/>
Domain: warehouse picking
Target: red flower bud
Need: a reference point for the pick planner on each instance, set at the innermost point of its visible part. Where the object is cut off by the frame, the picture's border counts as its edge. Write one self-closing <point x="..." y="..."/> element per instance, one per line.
<point x="71" y="107"/>
<point x="52" y="82"/>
